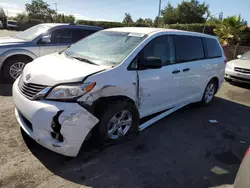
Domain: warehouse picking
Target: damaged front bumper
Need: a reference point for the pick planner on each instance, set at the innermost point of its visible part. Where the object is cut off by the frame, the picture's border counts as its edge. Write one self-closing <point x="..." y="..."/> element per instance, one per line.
<point x="38" y="117"/>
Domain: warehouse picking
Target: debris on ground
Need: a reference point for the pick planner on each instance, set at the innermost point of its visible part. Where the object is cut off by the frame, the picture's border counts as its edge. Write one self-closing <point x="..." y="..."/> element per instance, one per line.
<point x="219" y="171"/>
<point x="213" y="121"/>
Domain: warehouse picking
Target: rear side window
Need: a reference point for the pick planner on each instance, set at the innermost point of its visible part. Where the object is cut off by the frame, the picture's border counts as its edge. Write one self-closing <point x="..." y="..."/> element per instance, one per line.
<point x="79" y="34"/>
<point x="62" y="36"/>
<point x="188" y="48"/>
<point x="212" y="47"/>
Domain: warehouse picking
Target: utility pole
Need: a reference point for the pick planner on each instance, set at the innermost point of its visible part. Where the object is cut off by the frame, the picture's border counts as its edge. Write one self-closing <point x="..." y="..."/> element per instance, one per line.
<point x="56" y="12"/>
<point x="159" y="13"/>
<point x="56" y="6"/>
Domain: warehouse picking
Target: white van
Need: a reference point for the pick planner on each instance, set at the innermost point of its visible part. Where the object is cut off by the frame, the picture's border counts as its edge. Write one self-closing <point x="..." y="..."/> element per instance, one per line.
<point x="12" y="24"/>
<point x="107" y="82"/>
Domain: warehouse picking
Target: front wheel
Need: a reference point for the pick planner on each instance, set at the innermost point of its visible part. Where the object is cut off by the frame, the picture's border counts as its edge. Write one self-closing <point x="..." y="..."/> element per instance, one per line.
<point x="209" y="92"/>
<point x="117" y="121"/>
<point x="14" y="67"/>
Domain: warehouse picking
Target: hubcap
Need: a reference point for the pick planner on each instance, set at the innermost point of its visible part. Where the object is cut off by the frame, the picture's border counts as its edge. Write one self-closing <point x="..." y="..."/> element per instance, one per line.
<point x="16" y="69"/>
<point x="119" y="124"/>
<point x="209" y="93"/>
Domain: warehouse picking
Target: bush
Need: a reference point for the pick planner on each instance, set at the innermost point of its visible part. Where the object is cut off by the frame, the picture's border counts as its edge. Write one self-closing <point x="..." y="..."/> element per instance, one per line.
<point x="188" y="27"/>
<point x="103" y="24"/>
<point x="193" y="27"/>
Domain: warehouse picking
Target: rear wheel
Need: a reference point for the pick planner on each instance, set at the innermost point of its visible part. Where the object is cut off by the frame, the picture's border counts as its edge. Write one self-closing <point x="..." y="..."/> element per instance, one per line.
<point x="117" y="122"/>
<point x="14" y="67"/>
<point x="209" y="92"/>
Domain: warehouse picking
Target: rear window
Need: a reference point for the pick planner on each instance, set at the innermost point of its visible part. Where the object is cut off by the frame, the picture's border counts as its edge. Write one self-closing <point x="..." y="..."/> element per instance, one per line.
<point x="12" y="22"/>
<point x="213" y="48"/>
<point x="188" y="48"/>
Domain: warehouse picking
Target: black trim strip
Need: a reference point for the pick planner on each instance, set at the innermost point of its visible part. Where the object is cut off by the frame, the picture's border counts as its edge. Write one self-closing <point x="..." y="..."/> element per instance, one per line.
<point x="85" y="78"/>
<point x="147" y="118"/>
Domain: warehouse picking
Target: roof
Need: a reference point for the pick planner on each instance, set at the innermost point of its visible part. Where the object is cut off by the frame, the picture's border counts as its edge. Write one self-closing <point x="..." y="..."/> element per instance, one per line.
<point x="53" y="24"/>
<point x="71" y="25"/>
<point x="152" y="30"/>
<point x="11" y="20"/>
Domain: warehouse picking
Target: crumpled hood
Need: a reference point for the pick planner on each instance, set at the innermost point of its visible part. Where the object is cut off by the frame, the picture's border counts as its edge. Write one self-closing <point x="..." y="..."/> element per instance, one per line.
<point x="10" y="41"/>
<point x="54" y="69"/>
<point x="241" y="63"/>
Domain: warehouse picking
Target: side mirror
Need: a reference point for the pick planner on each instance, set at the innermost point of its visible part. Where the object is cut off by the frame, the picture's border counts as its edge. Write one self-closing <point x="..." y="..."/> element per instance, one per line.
<point x="150" y="63"/>
<point x="45" y="39"/>
<point x="239" y="56"/>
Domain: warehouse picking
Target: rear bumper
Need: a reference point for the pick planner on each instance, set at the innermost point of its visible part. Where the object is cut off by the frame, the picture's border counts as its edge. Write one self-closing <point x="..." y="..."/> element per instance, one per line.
<point x="230" y="74"/>
<point x="36" y="117"/>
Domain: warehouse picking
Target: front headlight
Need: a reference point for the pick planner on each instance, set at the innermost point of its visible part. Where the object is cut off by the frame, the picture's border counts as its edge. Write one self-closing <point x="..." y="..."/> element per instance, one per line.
<point x="229" y="66"/>
<point x="70" y="92"/>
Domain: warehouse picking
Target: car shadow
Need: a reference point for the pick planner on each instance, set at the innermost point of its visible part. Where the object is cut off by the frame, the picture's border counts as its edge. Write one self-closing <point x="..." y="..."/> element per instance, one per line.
<point x="181" y="150"/>
<point x="5" y="87"/>
<point x="241" y="85"/>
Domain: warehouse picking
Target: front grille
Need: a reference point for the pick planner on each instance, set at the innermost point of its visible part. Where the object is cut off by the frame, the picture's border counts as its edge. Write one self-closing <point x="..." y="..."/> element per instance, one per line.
<point x="27" y="122"/>
<point x="242" y="70"/>
<point x="29" y="90"/>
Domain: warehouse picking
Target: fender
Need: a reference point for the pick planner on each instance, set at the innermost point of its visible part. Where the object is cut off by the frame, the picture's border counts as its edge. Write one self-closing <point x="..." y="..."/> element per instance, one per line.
<point x="12" y="52"/>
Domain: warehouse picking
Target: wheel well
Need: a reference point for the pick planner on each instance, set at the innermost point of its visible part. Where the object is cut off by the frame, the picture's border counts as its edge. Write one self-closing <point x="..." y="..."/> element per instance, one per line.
<point x="217" y="82"/>
<point x="100" y="104"/>
<point x="15" y="56"/>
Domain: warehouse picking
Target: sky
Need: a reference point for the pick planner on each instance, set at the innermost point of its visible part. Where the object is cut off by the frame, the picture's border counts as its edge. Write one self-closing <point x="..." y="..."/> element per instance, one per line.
<point x="114" y="10"/>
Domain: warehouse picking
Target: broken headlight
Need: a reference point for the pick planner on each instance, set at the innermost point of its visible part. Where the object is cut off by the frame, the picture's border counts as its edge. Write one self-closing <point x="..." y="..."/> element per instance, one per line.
<point x="70" y="92"/>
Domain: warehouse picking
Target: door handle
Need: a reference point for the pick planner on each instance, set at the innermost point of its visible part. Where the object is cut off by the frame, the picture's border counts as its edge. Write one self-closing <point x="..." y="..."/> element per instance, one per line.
<point x="185" y="70"/>
<point x="176" y="71"/>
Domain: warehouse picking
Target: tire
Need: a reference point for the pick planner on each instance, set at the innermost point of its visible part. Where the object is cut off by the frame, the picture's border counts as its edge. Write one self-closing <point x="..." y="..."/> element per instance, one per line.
<point x="208" y="98"/>
<point x="14" y="63"/>
<point x="101" y="133"/>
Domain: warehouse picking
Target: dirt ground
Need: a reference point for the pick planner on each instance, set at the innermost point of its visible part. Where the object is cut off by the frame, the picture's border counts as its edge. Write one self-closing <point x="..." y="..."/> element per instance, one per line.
<point x="178" y="151"/>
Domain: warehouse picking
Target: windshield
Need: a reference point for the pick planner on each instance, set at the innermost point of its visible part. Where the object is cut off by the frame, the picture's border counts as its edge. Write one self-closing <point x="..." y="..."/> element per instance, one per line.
<point x="106" y="47"/>
<point x="32" y="32"/>
<point x="246" y="56"/>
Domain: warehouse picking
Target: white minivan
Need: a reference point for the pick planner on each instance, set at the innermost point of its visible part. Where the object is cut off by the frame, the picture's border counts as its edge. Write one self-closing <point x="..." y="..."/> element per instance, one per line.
<point x="105" y="83"/>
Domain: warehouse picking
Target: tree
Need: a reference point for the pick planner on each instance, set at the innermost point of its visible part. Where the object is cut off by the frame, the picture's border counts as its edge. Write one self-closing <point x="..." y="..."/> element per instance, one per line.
<point x="128" y="19"/>
<point x="70" y="19"/>
<point x="21" y="17"/>
<point x="38" y="9"/>
<point x="185" y="12"/>
<point x="61" y="18"/>
<point x="214" y="21"/>
<point x="2" y="13"/>
<point x="158" y="22"/>
<point x="231" y="31"/>
<point x="169" y="14"/>
<point x="148" y="22"/>
<point x="192" y="12"/>
<point x="140" y="23"/>
<point x="144" y="22"/>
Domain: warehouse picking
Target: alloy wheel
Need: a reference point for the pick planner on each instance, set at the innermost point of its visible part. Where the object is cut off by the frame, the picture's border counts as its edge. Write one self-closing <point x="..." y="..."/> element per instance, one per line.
<point x="16" y="69"/>
<point x="119" y="124"/>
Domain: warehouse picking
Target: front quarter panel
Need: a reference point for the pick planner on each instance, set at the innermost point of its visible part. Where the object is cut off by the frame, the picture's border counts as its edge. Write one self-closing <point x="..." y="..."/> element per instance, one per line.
<point x="113" y="82"/>
<point x="32" y="52"/>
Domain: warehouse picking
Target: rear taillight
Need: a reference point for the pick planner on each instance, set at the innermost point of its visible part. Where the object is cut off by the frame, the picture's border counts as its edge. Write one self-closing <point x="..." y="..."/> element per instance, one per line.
<point x="247" y="152"/>
<point x="225" y="61"/>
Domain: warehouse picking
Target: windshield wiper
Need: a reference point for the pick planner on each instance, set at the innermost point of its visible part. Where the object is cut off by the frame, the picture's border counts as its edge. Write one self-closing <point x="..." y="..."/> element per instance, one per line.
<point x="85" y="60"/>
